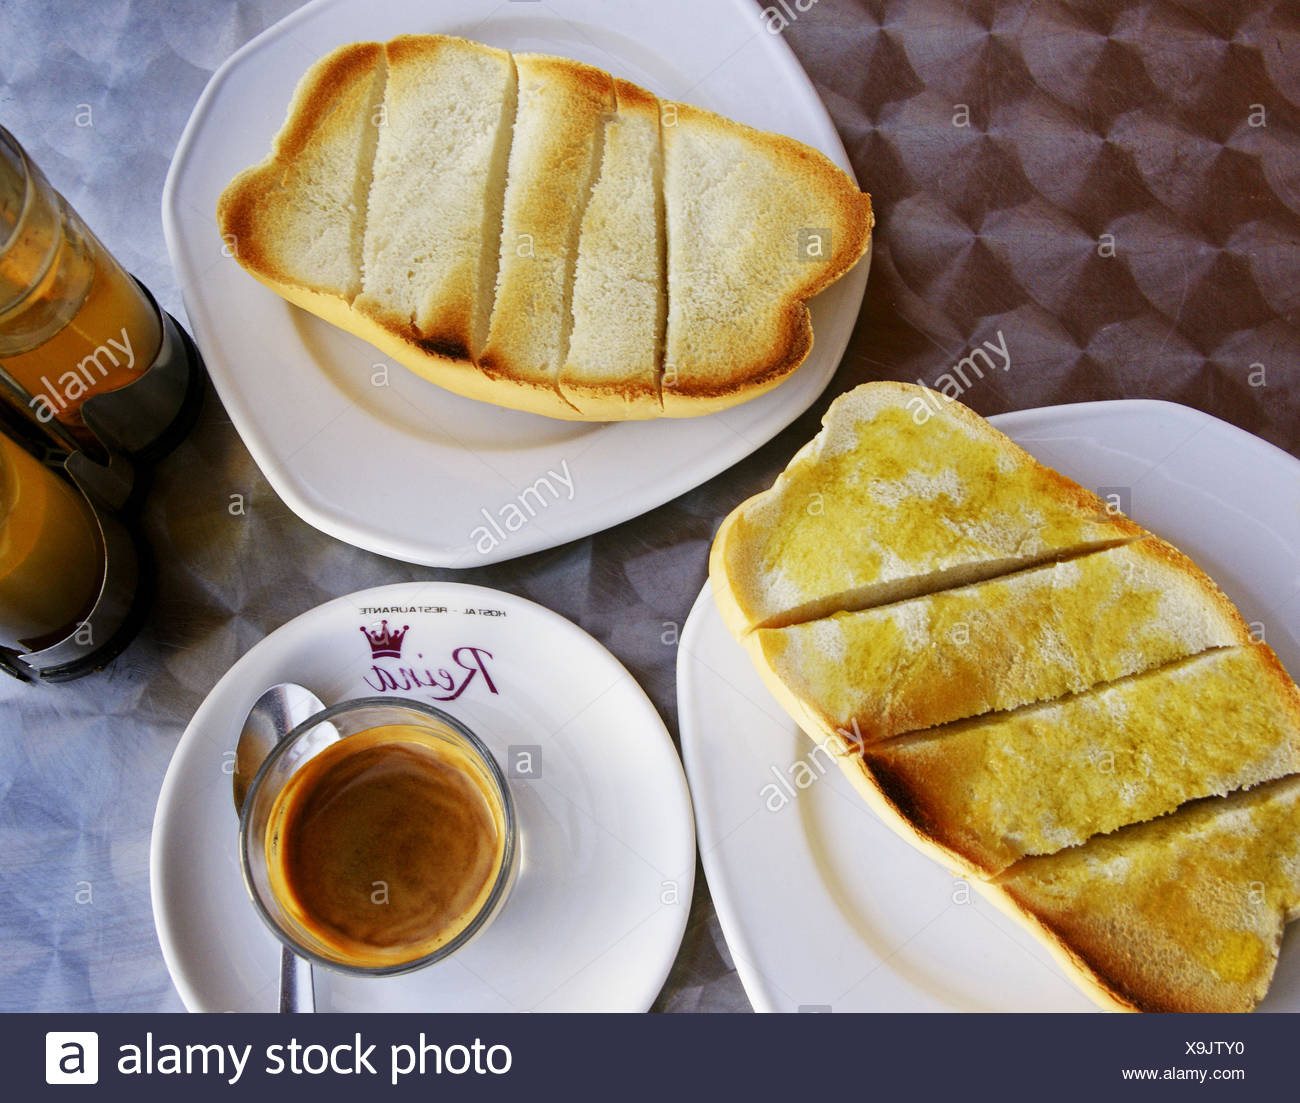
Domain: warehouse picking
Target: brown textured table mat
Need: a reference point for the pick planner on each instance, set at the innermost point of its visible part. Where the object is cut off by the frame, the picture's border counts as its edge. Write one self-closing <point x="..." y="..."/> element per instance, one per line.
<point x="1115" y="187"/>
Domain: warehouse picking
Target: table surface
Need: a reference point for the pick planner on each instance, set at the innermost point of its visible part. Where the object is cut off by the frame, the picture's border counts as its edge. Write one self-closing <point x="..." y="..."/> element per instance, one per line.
<point x="1112" y="187"/>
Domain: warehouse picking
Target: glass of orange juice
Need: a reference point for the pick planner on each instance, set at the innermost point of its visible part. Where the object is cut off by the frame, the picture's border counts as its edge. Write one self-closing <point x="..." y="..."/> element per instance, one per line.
<point x="74" y="325"/>
<point x="51" y="553"/>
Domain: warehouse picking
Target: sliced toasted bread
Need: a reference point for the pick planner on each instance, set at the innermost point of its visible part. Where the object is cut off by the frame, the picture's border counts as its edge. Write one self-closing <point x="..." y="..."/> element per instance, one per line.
<point x="1184" y="913"/>
<point x="902" y="492"/>
<point x="1005" y="724"/>
<point x="442" y="148"/>
<point x="295" y="220"/>
<point x="439" y="215"/>
<point x="757" y="224"/>
<point x="1025" y="637"/>
<point x="560" y="122"/>
<point x="616" y="344"/>
<point x="995" y="789"/>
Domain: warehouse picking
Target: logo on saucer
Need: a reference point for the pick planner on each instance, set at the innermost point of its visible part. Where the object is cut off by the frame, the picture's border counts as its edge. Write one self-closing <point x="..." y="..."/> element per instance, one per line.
<point x="386" y="643"/>
<point x="465" y="666"/>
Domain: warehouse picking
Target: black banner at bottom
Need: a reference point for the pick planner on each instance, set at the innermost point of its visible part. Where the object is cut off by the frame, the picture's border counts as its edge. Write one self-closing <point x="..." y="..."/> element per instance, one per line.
<point x="490" y="1057"/>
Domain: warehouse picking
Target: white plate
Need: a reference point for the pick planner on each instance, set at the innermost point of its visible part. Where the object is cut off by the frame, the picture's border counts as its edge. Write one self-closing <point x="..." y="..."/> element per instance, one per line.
<point x="597" y="913"/>
<point x="823" y="905"/>
<point x="407" y="469"/>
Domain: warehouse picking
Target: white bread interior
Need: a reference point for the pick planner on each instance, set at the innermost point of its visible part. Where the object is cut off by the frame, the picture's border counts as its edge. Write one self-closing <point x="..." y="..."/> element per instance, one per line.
<point x="563" y="106"/>
<point x="612" y="372"/>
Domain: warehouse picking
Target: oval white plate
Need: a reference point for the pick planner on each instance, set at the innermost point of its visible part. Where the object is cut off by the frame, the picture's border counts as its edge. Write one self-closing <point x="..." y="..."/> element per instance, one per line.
<point x="822" y="905"/>
<point x="597" y="913"/>
<point x="410" y="470"/>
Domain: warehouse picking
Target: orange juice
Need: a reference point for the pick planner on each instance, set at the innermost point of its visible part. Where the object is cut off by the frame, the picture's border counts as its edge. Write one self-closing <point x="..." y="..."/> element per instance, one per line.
<point x="73" y="323"/>
<point x="111" y="338"/>
<point x="51" y="561"/>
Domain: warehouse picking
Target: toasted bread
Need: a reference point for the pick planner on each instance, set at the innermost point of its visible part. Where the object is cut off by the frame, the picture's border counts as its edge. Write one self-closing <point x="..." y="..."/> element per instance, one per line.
<point x="1184" y="913"/>
<point x="615" y="350"/>
<point x="450" y="234"/>
<point x="296" y="219"/>
<point x="1025" y="637"/>
<point x="1001" y="787"/>
<point x="902" y="492"/>
<point x="423" y="278"/>
<point x="746" y="210"/>
<point x="1006" y="724"/>
<point x="563" y="106"/>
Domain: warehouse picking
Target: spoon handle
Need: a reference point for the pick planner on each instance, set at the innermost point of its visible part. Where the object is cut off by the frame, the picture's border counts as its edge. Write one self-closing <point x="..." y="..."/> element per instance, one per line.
<point x="297" y="991"/>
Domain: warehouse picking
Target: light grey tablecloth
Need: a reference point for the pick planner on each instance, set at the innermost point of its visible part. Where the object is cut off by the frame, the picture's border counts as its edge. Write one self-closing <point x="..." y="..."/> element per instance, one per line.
<point x="81" y="763"/>
<point x="1112" y="185"/>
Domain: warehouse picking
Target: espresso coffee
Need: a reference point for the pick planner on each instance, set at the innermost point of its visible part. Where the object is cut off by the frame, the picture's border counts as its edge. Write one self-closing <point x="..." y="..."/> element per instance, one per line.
<point x="385" y="845"/>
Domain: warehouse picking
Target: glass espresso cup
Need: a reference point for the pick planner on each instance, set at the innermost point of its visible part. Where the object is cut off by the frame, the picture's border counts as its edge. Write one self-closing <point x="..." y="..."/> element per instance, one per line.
<point x="378" y="837"/>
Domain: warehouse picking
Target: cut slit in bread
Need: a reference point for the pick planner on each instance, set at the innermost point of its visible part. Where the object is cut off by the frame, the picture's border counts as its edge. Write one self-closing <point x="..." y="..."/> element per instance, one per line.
<point x="614" y="371"/>
<point x="997" y="645"/>
<point x="563" y="107"/>
<point x="1000" y="787"/>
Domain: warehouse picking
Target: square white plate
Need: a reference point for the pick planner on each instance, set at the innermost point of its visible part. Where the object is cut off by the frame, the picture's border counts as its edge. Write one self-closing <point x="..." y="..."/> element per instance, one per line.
<point x="825" y="907"/>
<point x="410" y="470"/>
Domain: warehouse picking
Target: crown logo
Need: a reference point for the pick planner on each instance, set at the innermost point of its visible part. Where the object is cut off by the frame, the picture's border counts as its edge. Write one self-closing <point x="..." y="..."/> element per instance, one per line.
<point x="386" y="643"/>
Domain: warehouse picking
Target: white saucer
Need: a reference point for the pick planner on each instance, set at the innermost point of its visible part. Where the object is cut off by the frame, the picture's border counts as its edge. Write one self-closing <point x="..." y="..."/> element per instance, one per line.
<point x="410" y="470"/>
<point x="825" y="907"/>
<point x="598" y="911"/>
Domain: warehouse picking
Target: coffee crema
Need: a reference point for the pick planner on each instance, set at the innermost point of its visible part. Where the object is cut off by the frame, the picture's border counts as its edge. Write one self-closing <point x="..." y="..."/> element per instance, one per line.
<point x="385" y="846"/>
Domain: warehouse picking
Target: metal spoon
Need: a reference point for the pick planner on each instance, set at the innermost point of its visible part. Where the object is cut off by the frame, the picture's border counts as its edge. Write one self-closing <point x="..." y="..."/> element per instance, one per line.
<point x="277" y="712"/>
